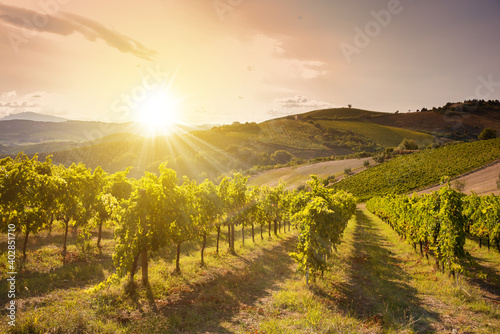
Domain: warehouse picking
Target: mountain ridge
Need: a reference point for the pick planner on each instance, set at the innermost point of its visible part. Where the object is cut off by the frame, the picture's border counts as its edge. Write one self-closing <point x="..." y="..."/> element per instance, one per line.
<point x="33" y="116"/>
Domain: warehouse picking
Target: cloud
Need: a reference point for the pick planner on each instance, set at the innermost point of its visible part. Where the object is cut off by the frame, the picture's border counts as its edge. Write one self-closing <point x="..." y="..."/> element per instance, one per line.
<point x="301" y="102"/>
<point x="40" y="102"/>
<point x="296" y="104"/>
<point x="8" y="95"/>
<point x="65" y="24"/>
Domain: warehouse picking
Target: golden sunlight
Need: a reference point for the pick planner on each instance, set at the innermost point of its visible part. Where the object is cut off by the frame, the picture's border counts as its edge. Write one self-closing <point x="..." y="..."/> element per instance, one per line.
<point x="158" y="109"/>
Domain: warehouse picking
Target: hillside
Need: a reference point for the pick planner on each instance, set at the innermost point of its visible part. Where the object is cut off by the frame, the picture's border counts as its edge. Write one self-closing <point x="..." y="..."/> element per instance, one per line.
<point x="295" y="176"/>
<point x="199" y="152"/>
<point x="415" y="171"/>
<point x="481" y="181"/>
<point x="33" y="116"/>
<point x="464" y="120"/>
<point x="459" y="121"/>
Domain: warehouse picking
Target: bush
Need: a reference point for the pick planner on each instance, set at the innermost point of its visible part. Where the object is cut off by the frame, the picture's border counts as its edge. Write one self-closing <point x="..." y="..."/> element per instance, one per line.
<point x="281" y="157"/>
<point x="459" y="185"/>
<point x="347" y="171"/>
<point x="366" y="163"/>
<point x="488" y="133"/>
<point x="408" y="144"/>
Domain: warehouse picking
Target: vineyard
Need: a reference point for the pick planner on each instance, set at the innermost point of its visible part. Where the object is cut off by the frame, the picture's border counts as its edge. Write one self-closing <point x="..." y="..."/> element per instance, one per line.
<point x="441" y="221"/>
<point x="155" y="213"/>
<point x="410" y="172"/>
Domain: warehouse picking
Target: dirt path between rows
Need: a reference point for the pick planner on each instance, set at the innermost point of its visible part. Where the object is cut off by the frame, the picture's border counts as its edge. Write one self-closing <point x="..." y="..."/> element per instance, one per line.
<point x="482" y="181"/>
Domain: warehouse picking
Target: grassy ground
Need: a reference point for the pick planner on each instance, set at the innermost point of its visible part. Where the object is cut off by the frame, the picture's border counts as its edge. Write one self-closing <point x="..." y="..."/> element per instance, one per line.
<point x="377" y="284"/>
<point x="386" y="136"/>
<point x="56" y="298"/>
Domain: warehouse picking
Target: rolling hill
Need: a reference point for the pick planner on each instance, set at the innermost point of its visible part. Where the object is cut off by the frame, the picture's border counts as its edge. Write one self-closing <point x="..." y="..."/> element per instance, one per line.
<point x="211" y="152"/>
<point x="33" y="116"/>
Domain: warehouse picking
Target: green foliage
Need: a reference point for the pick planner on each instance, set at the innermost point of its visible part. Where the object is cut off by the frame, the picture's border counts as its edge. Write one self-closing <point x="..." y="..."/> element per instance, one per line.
<point x="281" y="157"/>
<point x="321" y="217"/>
<point x="483" y="216"/>
<point x="487" y="133"/>
<point x="408" y="144"/>
<point x="437" y="220"/>
<point x="409" y="172"/>
<point x="441" y="221"/>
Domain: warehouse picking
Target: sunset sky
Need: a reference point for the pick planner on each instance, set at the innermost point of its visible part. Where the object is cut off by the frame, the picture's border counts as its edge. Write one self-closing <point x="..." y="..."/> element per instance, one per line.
<point x="244" y="60"/>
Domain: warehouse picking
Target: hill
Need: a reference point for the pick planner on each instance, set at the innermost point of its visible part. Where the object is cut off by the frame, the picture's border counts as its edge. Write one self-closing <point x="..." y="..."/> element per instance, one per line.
<point x="32" y="116"/>
<point x="295" y="176"/>
<point x="459" y="121"/>
<point x="481" y="181"/>
<point x="200" y="152"/>
<point x="415" y="171"/>
<point x="455" y="120"/>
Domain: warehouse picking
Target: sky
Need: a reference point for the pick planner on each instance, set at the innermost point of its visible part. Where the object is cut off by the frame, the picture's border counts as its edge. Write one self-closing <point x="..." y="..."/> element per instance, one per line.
<point x="220" y="61"/>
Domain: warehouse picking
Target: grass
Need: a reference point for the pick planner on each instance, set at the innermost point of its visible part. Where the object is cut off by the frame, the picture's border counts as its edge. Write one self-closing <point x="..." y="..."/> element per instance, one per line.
<point x="377" y="284"/>
<point x="385" y="136"/>
<point x="422" y="169"/>
<point x="58" y="299"/>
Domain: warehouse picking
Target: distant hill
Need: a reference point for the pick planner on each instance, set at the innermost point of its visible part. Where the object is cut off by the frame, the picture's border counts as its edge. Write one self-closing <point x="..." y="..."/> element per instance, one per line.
<point x="28" y="135"/>
<point x="210" y="151"/>
<point x="339" y="113"/>
<point x="32" y="116"/>
<point x="455" y="120"/>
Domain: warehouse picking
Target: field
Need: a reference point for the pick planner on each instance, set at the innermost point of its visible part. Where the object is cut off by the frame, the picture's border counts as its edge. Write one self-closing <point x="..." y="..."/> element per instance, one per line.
<point x="416" y="171"/>
<point x="384" y="136"/>
<point x="481" y="181"/>
<point x="298" y="175"/>
<point x="377" y="284"/>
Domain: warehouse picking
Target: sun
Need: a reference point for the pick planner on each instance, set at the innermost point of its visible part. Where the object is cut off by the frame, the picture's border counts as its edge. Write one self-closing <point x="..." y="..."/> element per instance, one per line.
<point x="158" y="111"/>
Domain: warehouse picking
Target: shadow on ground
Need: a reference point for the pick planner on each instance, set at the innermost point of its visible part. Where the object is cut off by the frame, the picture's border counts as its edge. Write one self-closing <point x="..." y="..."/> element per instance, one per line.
<point x="377" y="291"/>
<point x="205" y="307"/>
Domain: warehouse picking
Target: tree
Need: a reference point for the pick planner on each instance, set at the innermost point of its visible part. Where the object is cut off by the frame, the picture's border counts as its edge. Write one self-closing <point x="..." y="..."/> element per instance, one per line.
<point x="26" y="194"/>
<point x="408" y="144"/>
<point x="206" y="205"/>
<point x="487" y="133"/>
<point x="73" y="198"/>
<point x="459" y="185"/>
<point x="281" y="157"/>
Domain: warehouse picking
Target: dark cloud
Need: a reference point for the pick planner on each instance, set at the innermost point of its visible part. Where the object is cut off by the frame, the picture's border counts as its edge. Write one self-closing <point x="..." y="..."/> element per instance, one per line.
<point x="65" y="24"/>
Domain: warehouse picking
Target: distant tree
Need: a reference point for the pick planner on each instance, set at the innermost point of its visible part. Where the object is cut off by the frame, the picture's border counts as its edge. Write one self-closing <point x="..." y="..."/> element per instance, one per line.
<point x="347" y="171"/>
<point x="459" y="185"/>
<point x="350" y="106"/>
<point x="366" y="163"/>
<point x="281" y="157"/>
<point x="488" y="133"/>
<point x="408" y="144"/>
<point x="379" y="158"/>
<point x="397" y="112"/>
